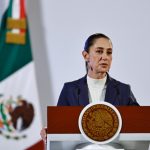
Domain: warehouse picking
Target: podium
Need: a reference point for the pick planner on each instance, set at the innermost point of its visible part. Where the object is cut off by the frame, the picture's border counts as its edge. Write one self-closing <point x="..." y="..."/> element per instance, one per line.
<point x="63" y="131"/>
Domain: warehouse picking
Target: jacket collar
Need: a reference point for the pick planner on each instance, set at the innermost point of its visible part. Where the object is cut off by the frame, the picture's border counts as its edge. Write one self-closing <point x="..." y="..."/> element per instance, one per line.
<point x="112" y="91"/>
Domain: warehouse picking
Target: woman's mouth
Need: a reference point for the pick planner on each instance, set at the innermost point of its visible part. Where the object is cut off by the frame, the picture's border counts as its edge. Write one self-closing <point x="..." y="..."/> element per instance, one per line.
<point x="104" y="65"/>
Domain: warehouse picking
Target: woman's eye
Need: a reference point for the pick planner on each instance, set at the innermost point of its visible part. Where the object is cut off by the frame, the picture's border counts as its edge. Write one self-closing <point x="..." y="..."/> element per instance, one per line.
<point x="99" y="51"/>
<point x="109" y="53"/>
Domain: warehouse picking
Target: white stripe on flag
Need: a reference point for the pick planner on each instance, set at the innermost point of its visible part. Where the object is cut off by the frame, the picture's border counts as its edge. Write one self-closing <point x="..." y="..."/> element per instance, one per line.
<point x="22" y="83"/>
<point x="16" y="13"/>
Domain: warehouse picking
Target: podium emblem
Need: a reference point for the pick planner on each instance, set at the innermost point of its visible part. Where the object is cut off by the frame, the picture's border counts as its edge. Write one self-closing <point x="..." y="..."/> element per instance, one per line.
<point x="100" y="123"/>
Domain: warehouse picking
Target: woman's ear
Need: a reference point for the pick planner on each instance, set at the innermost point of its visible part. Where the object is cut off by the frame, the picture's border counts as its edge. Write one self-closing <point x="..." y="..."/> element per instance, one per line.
<point x="85" y="55"/>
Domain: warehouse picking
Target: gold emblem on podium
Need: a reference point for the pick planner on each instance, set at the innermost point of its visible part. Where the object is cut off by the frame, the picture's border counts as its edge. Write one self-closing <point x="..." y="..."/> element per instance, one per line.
<point x="100" y="123"/>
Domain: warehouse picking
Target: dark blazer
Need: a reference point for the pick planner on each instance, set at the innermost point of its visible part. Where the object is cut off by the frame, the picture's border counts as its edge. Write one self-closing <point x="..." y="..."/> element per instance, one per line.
<point x="75" y="93"/>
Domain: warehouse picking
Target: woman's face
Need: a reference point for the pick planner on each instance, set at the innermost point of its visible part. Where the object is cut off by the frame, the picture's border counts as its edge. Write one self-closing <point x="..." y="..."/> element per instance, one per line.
<point x="99" y="57"/>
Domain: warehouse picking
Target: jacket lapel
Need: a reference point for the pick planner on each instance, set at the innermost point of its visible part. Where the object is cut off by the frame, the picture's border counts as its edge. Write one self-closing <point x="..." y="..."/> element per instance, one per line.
<point x="83" y="92"/>
<point x="112" y="91"/>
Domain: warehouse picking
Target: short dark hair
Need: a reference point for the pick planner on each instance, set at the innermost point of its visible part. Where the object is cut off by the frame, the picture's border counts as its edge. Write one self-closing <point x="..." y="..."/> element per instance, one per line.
<point x="90" y="41"/>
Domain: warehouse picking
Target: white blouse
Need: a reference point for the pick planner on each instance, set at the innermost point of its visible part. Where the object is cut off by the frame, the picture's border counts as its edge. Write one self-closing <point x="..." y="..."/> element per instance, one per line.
<point x="96" y="89"/>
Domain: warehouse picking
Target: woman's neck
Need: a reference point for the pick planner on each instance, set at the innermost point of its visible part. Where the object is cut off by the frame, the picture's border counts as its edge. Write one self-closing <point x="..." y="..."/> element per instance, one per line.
<point x="96" y="75"/>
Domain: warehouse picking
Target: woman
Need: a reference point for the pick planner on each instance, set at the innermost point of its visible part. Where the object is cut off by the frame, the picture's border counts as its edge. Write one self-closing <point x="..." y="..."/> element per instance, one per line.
<point x="97" y="85"/>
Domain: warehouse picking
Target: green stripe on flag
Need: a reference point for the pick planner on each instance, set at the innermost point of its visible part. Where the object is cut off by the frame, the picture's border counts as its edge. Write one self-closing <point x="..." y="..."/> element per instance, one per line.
<point x="10" y="8"/>
<point x="12" y="56"/>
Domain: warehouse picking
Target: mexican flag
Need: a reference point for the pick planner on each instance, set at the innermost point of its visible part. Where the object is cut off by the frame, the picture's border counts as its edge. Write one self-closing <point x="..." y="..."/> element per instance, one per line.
<point x="20" y="117"/>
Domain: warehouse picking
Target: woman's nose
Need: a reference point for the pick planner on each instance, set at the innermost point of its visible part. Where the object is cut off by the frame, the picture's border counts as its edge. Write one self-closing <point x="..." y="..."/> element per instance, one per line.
<point x="104" y="56"/>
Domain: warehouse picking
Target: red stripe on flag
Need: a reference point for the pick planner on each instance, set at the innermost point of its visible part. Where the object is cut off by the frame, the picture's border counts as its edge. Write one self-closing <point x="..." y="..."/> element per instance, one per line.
<point x="22" y="12"/>
<point x="37" y="146"/>
<point x="22" y="9"/>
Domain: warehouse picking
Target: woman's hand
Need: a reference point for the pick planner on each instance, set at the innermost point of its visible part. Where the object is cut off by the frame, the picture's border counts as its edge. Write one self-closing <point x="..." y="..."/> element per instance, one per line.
<point x="43" y="134"/>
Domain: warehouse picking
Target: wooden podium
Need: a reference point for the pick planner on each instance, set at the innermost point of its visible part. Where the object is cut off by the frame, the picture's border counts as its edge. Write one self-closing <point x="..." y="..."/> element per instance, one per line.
<point x="63" y="131"/>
